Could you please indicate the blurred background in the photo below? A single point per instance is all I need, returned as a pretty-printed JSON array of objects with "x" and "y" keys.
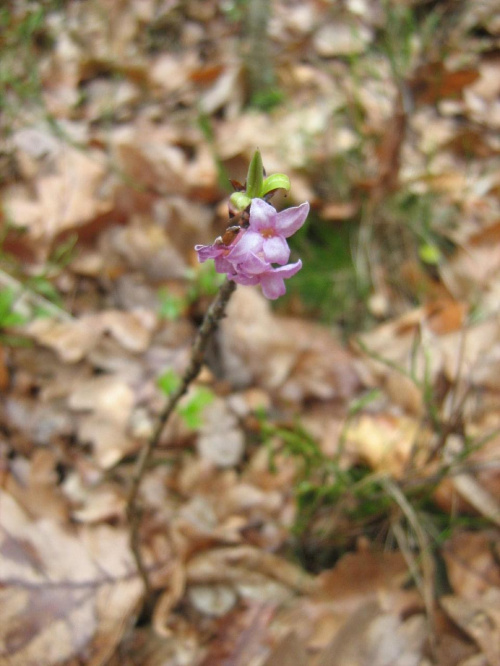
[
  {"x": 327, "y": 492},
  {"x": 384, "y": 114}
]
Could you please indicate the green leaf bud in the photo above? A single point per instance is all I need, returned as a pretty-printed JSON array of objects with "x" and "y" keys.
[
  {"x": 255, "y": 176},
  {"x": 277, "y": 181},
  {"x": 239, "y": 200}
]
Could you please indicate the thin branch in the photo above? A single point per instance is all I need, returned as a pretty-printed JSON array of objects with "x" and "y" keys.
[{"x": 207, "y": 328}]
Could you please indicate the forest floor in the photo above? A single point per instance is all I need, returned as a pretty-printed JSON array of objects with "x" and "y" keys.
[{"x": 327, "y": 493}]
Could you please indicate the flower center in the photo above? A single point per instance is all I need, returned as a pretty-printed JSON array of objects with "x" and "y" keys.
[{"x": 267, "y": 233}]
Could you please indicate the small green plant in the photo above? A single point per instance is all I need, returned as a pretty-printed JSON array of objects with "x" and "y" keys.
[
  {"x": 336, "y": 505},
  {"x": 266, "y": 100},
  {"x": 333, "y": 505},
  {"x": 19, "y": 76},
  {"x": 263, "y": 92},
  {"x": 10, "y": 318},
  {"x": 8, "y": 315},
  {"x": 37, "y": 286},
  {"x": 234, "y": 10},
  {"x": 171, "y": 305},
  {"x": 189, "y": 410},
  {"x": 328, "y": 284}
]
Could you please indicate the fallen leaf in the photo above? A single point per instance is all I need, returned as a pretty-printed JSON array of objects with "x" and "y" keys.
[
  {"x": 71, "y": 340},
  {"x": 293, "y": 358},
  {"x": 109, "y": 440},
  {"x": 212, "y": 600},
  {"x": 385, "y": 442},
  {"x": 480, "y": 619},
  {"x": 289, "y": 652},
  {"x": 241, "y": 636},
  {"x": 106, "y": 395},
  {"x": 361, "y": 577},
  {"x": 432, "y": 82},
  {"x": 373, "y": 638},
  {"x": 220, "y": 439},
  {"x": 131, "y": 329},
  {"x": 70, "y": 197},
  {"x": 74, "y": 591},
  {"x": 341, "y": 39},
  {"x": 471, "y": 563},
  {"x": 242, "y": 564}
]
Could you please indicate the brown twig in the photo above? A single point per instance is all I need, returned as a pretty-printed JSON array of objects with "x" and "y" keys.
[{"x": 213, "y": 316}]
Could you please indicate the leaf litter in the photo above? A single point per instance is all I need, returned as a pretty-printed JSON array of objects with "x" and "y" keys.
[{"x": 137, "y": 122}]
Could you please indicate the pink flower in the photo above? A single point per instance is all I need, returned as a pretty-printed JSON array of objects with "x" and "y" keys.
[
  {"x": 268, "y": 229},
  {"x": 249, "y": 257},
  {"x": 219, "y": 253},
  {"x": 272, "y": 281}
]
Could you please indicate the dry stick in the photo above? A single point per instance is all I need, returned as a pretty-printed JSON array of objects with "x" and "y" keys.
[{"x": 207, "y": 328}]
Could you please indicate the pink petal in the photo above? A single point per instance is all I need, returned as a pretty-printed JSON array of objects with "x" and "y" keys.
[
  {"x": 273, "y": 286},
  {"x": 247, "y": 280},
  {"x": 253, "y": 265},
  {"x": 262, "y": 215},
  {"x": 273, "y": 283},
  {"x": 290, "y": 220},
  {"x": 249, "y": 242},
  {"x": 276, "y": 250},
  {"x": 222, "y": 265},
  {"x": 208, "y": 252}
]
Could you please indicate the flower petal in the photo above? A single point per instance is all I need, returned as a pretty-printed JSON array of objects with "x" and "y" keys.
[
  {"x": 253, "y": 265},
  {"x": 290, "y": 220},
  {"x": 262, "y": 215},
  {"x": 273, "y": 286},
  {"x": 242, "y": 278},
  {"x": 276, "y": 250},
  {"x": 208, "y": 252},
  {"x": 222, "y": 265},
  {"x": 249, "y": 242},
  {"x": 289, "y": 270},
  {"x": 273, "y": 283}
]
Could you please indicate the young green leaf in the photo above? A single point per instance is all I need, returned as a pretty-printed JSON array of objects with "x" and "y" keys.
[
  {"x": 8, "y": 317},
  {"x": 168, "y": 382},
  {"x": 171, "y": 306},
  {"x": 255, "y": 176},
  {"x": 191, "y": 412},
  {"x": 240, "y": 200},
  {"x": 276, "y": 181}
]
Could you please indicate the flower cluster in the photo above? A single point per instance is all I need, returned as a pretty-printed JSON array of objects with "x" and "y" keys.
[{"x": 248, "y": 255}]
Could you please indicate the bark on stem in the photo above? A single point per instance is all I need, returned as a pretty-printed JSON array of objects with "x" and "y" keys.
[{"x": 210, "y": 322}]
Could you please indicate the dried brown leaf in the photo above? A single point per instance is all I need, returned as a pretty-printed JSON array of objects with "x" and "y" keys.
[
  {"x": 294, "y": 358},
  {"x": 109, "y": 438},
  {"x": 221, "y": 440},
  {"x": 73, "y": 591},
  {"x": 105, "y": 394},
  {"x": 361, "y": 577},
  {"x": 384, "y": 441},
  {"x": 432, "y": 82},
  {"x": 289, "y": 652},
  {"x": 241, "y": 636},
  {"x": 373, "y": 638},
  {"x": 472, "y": 563},
  {"x": 480, "y": 620},
  {"x": 69, "y": 198},
  {"x": 242, "y": 565},
  {"x": 71, "y": 340}
]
